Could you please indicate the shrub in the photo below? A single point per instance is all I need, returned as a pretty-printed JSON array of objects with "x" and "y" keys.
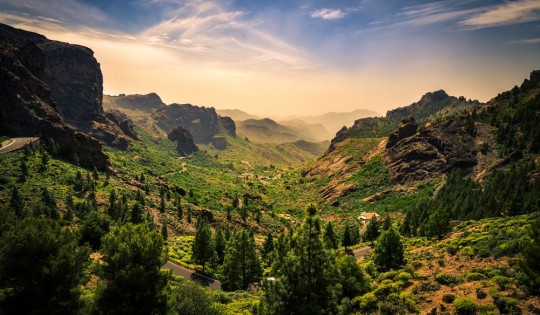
[
  {"x": 501, "y": 281},
  {"x": 465, "y": 306},
  {"x": 404, "y": 276},
  {"x": 444, "y": 279},
  {"x": 484, "y": 252},
  {"x": 389, "y": 275},
  {"x": 486, "y": 308},
  {"x": 507, "y": 305},
  {"x": 495, "y": 294},
  {"x": 481, "y": 294},
  {"x": 448, "y": 298},
  {"x": 474, "y": 276},
  {"x": 451, "y": 249},
  {"x": 365, "y": 302}
]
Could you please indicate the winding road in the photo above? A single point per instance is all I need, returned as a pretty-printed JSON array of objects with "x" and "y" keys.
[
  {"x": 193, "y": 276},
  {"x": 16, "y": 143}
]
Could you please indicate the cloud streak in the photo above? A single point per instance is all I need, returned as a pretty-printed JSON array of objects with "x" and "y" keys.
[
  {"x": 506, "y": 14},
  {"x": 328, "y": 14}
]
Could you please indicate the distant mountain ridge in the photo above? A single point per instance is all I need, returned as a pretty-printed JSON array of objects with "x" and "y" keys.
[{"x": 146, "y": 102}]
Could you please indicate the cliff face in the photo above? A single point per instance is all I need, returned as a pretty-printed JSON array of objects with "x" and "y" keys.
[
  {"x": 29, "y": 110},
  {"x": 184, "y": 141},
  {"x": 146, "y": 103},
  {"x": 433, "y": 152},
  {"x": 203, "y": 123},
  {"x": 76, "y": 84}
]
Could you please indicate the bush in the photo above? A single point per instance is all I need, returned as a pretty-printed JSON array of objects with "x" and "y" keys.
[
  {"x": 484, "y": 252},
  {"x": 465, "y": 306},
  {"x": 365, "y": 302},
  {"x": 501, "y": 281},
  {"x": 451, "y": 249},
  {"x": 495, "y": 294},
  {"x": 486, "y": 308},
  {"x": 481, "y": 294},
  {"x": 474, "y": 276},
  {"x": 444, "y": 279},
  {"x": 448, "y": 298},
  {"x": 507, "y": 305},
  {"x": 404, "y": 276}
]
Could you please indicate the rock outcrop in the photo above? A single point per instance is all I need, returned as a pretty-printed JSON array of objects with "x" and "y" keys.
[
  {"x": 122, "y": 121},
  {"x": 184, "y": 141},
  {"x": 27, "y": 108},
  {"x": 137, "y": 102},
  {"x": 76, "y": 84},
  {"x": 406, "y": 129},
  {"x": 427, "y": 100},
  {"x": 432, "y": 153},
  {"x": 202, "y": 122},
  {"x": 228, "y": 124}
]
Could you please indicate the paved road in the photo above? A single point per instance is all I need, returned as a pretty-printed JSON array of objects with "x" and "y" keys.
[
  {"x": 16, "y": 143},
  {"x": 191, "y": 275},
  {"x": 360, "y": 252}
]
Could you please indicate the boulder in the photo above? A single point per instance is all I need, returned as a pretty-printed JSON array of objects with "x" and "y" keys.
[{"x": 184, "y": 141}]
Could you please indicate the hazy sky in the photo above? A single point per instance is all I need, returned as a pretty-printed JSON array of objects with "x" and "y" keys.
[{"x": 294, "y": 56}]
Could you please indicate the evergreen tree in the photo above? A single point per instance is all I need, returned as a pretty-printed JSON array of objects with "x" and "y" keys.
[
  {"x": 44, "y": 160},
  {"x": 24, "y": 170},
  {"x": 531, "y": 256},
  {"x": 112, "y": 210},
  {"x": 47, "y": 206},
  {"x": 387, "y": 223},
  {"x": 347, "y": 239},
  {"x": 164, "y": 232},
  {"x": 203, "y": 248},
  {"x": 179, "y": 211},
  {"x": 16, "y": 204},
  {"x": 136, "y": 214},
  {"x": 372, "y": 230},
  {"x": 388, "y": 253},
  {"x": 220, "y": 244},
  {"x": 189, "y": 215},
  {"x": 42, "y": 268},
  {"x": 140, "y": 198},
  {"x": 70, "y": 206},
  {"x": 330, "y": 236},
  {"x": 351, "y": 277},
  {"x": 131, "y": 281},
  {"x": 268, "y": 245},
  {"x": 241, "y": 265},
  {"x": 78, "y": 183},
  {"x": 304, "y": 278},
  {"x": 93, "y": 228}
]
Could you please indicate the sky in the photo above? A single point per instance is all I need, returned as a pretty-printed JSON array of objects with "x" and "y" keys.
[{"x": 296, "y": 57}]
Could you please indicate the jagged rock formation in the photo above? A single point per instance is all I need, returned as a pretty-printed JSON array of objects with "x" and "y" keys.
[
  {"x": 137, "y": 102},
  {"x": 184, "y": 141},
  {"x": 220, "y": 142},
  {"x": 427, "y": 101},
  {"x": 74, "y": 78},
  {"x": 27, "y": 108},
  {"x": 202, "y": 122},
  {"x": 432, "y": 153},
  {"x": 406, "y": 129},
  {"x": 228, "y": 124},
  {"x": 122, "y": 121}
]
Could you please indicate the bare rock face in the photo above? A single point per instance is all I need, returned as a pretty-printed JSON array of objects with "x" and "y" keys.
[
  {"x": 433, "y": 152},
  {"x": 228, "y": 124},
  {"x": 202, "y": 122},
  {"x": 122, "y": 121},
  {"x": 27, "y": 108},
  {"x": 406, "y": 129},
  {"x": 76, "y": 84},
  {"x": 184, "y": 141},
  {"x": 145, "y": 103},
  {"x": 220, "y": 142}
]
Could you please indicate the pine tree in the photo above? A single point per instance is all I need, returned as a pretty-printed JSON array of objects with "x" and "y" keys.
[
  {"x": 24, "y": 170},
  {"x": 136, "y": 214},
  {"x": 95, "y": 174},
  {"x": 531, "y": 256},
  {"x": 304, "y": 278},
  {"x": 241, "y": 264},
  {"x": 268, "y": 245},
  {"x": 220, "y": 244},
  {"x": 16, "y": 203},
  {"x": 387, "y": 223},
  {"x": 203, "y": 247},
  {"x": 372, "y": 230},
  {"x": 179, "y": 210},
  {"x": 388, "y": 253},
  {"x": 351, "y": 277},
  {"x": 347, "y": 240},
  {"x": 330, "y": 236},
  {"x": 164, "y": 232},
  {"x": 44, "y": 160},
  {"x": 112, "y": 210},
  {"x": 189, "y": 215}
]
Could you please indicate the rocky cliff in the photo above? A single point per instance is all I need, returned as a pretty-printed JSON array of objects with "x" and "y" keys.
[
  {"x": 137, "y": 102},
  {"x": 433, "y": 152},
  {"x": 184, "y": 141},
  {"x": 29, "y": 110},
  {"x": 76, "y": 84},
  {"x": 202, "y": 122}
]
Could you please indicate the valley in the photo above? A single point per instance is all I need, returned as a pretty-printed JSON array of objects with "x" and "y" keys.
[{"x": 119, "y": 186}]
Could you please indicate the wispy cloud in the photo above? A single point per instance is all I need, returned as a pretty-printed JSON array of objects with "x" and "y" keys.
[
  {"x": 526, "y": 41},
  {"x": 506, "y": 14},
  {"x": 328, "y": 14}
]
